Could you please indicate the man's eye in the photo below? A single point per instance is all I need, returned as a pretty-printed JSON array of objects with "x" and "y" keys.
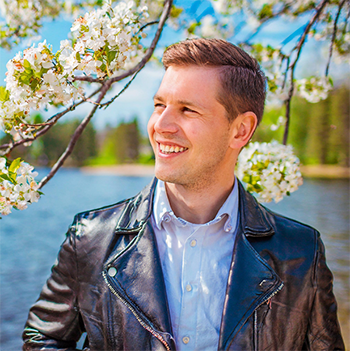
[
  {"x": 186, "y": 109},
  {"x": 158, "y": 105}
]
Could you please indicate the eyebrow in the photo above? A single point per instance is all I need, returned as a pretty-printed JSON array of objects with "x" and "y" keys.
[{"x": 180, "y": 102}]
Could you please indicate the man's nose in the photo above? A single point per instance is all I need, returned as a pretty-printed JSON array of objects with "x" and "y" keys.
[{"x": 166, "y": 121}]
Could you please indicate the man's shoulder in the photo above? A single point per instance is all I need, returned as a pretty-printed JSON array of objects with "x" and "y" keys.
[
  {"x": 123, "y": 214},
  {"x": 104, "y": 212},
  {"x": 293, "y": 234},
  {"x": 287, "y": 222}
]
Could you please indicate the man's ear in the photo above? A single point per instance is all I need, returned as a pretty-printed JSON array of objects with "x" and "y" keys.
[{"x": 243, "y": 128}]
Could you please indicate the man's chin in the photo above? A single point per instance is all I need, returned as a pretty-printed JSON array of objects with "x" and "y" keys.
[{"x": 166, "y": 176}]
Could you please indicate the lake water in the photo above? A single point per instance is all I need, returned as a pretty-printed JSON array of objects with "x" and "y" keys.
[{"x": 30, "y": 239}]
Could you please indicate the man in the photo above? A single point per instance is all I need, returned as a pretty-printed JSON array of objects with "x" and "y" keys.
[{"x": 193, "y": 262}]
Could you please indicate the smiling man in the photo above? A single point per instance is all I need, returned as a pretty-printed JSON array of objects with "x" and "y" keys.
[{"x": 193, "y": 262}]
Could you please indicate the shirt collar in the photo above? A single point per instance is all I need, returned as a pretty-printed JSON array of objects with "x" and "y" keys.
[{"x": 162, "y": 211}]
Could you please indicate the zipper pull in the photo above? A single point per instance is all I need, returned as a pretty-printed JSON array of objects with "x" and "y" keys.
[{"x": 269, "y": 303}]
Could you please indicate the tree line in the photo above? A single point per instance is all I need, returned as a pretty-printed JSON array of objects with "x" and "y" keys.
[
  {"x": 319, "y": 134},
  {"x": 113, "y": 145}
]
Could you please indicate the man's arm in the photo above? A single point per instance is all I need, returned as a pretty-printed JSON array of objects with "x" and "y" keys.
[
  {"x": 324, "y": 332},
  {"x": 54, "y": 321}
]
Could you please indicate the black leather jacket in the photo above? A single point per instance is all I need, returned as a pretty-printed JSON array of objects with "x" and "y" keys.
[{"x": 108, "y": 282}]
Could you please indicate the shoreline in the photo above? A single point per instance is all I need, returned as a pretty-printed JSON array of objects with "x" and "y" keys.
[{"x": 139, "y": 170}]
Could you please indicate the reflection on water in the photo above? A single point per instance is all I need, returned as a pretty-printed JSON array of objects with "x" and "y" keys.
[{"x": 30, "y": 239}]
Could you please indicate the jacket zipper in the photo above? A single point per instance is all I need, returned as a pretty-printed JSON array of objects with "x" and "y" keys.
[
  {"x": 268, "y": 300},
  {"x": 279, "y": 288},
  {"x": 139, "y": 319}
]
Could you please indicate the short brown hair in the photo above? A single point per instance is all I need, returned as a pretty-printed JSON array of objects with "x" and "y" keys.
[{"x": 243, "y": 83}]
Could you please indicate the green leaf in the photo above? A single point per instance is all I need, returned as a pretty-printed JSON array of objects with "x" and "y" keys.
[
  {"x": 33, "y": 84},
  {"x": 15, "y": 165},
  {"x": 4, "y": 94},
  {"x": 111, "y": 56},
  {"x": 103, "y": 67},
  {"x": 176, "y": 11},
  {"x": 5, "y": 177},
  {"x": 265, "y": 12},
  {"x": 192, "y": 28},
  {"x": 77, "y": 56},
  {"x": 13, "y": 177},
  {"x": 246, "y": 179},
  {"x": 26, "y": 64}
]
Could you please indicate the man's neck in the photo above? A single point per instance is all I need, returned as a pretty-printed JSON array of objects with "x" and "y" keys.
[{"x": 198, "y": 205}]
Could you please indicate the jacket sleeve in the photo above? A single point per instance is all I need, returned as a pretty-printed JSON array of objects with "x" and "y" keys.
[
  {"x": 54, "y": 321},
  {"x": 324, "y": 332}
]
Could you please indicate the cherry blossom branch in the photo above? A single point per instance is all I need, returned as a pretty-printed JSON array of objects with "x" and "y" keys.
[
  {"x": 49, "y": 123},
  {"x": 165, "y": 14},
  {"x": 105, "y": 87},
  {"x": 298, "y": 48}
]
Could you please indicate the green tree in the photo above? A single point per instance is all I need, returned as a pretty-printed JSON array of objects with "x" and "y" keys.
[
  {"x": 120, "y": 144},
  {"x": 54, "y": 143},
  {"x": 339, "y": 134}
]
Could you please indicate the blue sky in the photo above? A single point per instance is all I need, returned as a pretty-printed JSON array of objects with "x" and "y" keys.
[{"x": 137, "y": 99}]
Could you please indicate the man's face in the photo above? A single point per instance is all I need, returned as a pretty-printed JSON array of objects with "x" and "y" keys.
[{"x": 188, "y": 130}]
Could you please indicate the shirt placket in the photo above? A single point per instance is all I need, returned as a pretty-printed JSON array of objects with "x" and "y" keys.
[{"x": 191, "y": 262}]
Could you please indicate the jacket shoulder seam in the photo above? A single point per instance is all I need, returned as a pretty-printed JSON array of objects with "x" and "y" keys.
[
  {"x": 84, "y": 214},
  {"x": 275, "y": 214}
]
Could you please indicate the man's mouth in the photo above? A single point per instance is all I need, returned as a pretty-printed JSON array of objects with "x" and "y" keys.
[{"x": 171, "y": 149}]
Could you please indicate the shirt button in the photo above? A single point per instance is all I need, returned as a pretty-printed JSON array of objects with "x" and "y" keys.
[
  {"x": 188, "y": 287},
  {"x": 193, "y": 243},
  {"x": 185, "y": 339},
  {"x": 112, "y": 271},
  {"x": 166, "y": 218}
]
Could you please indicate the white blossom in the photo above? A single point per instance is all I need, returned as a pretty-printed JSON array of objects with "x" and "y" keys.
[
  {"x": 314, "y": 89},
  {"x": 19, "y": 189},
  {"x": 269, "y": 170}
]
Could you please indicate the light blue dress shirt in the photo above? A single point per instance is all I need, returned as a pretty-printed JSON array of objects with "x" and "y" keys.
[{"x": 195, "y": 260}]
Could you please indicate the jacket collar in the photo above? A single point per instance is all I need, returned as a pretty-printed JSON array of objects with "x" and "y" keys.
[{"x": 254, "y": 219}]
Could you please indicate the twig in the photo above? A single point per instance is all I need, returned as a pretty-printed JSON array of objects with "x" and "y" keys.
[
  {"x": 74, "y": 138},
  {"x": 88, "y": 79},
  {"x": 106, "y": 104},
  {"x": 146, "y": 25},
  {"x": 264, "y": 21},
  {"x": 298, "y": 48},
  {"x": 335, "y": 28}
]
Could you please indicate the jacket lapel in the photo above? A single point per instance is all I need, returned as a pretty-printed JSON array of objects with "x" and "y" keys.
[
  {"x": 251, "y": 280},
  {"x": 138, "y": 276}
]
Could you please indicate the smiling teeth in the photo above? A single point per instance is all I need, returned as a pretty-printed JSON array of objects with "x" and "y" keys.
[{"x": 171, "y": 149}]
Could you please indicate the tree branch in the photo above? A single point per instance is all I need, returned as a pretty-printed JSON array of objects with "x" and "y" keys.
[
  {"x": 106, "y": 104},
  {"x": 335, "y": 28},
  {"x": 74, "y": 138},
  {"x": 10, "y": 146},
  {"x": 298, "y": 48}
]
